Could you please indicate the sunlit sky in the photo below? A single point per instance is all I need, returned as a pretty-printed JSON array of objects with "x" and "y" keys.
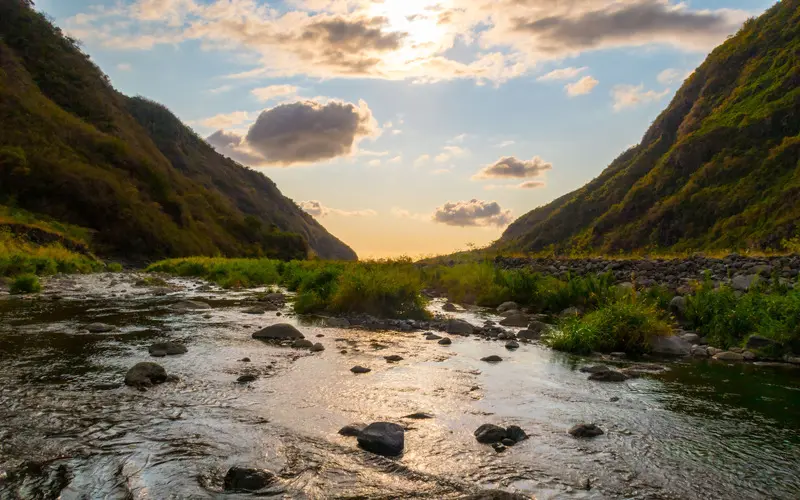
[{"x": 411, "y": 127}]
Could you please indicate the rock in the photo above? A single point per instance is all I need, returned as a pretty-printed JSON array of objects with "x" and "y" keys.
[
  {"x": 337, "y": 322},
  {"x": 189, "y": 305},
  {"x": 759, "y": 342},
  {"x": 352, "y": 430},
  {"x": 393, "y": 358},
  {"x": 699, "y": 351},
  {"x": 432, "y": 336},
  {"x": 499, "y": 447},
  {"x": 490, "y": 433},
  {"x": 793, "y": 360},
  {"x": 691, "y": 337},
  {"x": 670, "y": 346},
  {"x": 245, "y": 360},
  {"x": 459, "y": 327},
  {"x": 145, "y": 374},
  {"x": 445, "y": 341},
  {"x": 317, "y": 347},
  {"x": 608, "y": 376},
  {"x": 302, "y": 344},
  {"x": 743, "y": 283},
  {"x": 319, "y": 335},
  {"x": 728, "y": 356},
  {"x": 247, "y": 479},
  {"x": 495, "y": 495},
  {"x": 360, "y": 369},
  {"x": 585, "y": 431},
  {"x": 248, "y": 377},
  {"x": 516, "y": 433},
  {"x": 279, "y": 331},
  {"x": 594, "y": 368},
  {"x": 517, "y": 319},
  {"x": 419, "y": 416},
  {"x": 614, "y": 399},
  {"x": 382, "y": 438},
  {"x": 275, "y": 298},
  {"x": 570, "y": 311},
  {"x": 512, "y": 344},
  {"x": 508, "y": 442},
  {"x": 494, "y": 358},
  {"x": 255, "y": 310},
  {"x": 677, "y": 306},
  {"x": 528, "y": 335},
  {"x": 507, "y": 306},
  {"x": 619, "y": 355},
  {"x": 449, "y": 307},
  {"x": 161, "y": 349},
  {"x": 100, "y": 328},
  {"x": 749, "y": 356}
]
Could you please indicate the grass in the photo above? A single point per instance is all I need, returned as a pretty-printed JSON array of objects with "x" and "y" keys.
[
  {"x": 25, "y": 283},
  {"x": 18, "y": 256}
]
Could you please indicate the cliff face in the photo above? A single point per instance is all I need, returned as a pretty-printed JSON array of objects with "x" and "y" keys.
[{"x": 719, "y": 168}]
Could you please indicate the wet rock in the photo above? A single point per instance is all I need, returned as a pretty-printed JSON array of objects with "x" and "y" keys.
[
  {"x": 495, "y": 495},
  {"x": 677, "y": 306},
  {"x": 337, "y": 322},
  {"x": 728, "y": 356},
  {"x": 161, "y": 349},
  {"x": 279, "y": 331},
  {"x": 528, "y": 335},
  {"x": 691, "y": 337},
  {"x": 360, "y": 369},
  {"x": 749, "y": 356},
  {"x": 743, "y": 283},
  {"x": 759, "y": 342},
  {"x": 459, "y": 327},
  {"x": 255, "y": 310},
  {"x": 494, "y": 358},
  {"x": 449, "y": 307},
  {"x": 248, "y": 479},
  {"x": 594, "y": 368},
  {"x": 507, "y": 306},
  {"x": 671, "y": 346},
  {"x": 445, "y": 341},
  {"x": 713, "y": 351},
  {"x": 699, "y": 351},
  {"x": 432, "y": 336},
  {"x": 516, "y": 433},
  {"x": 585, "y": 431},
  {"x": 499, "y": 447},
  {"x": 489, "y": 433},
  {"x": 245, "y": 360},
  {"x": 319, "y": 335},
  {"x": 393, "y": 358},
  {"x": 100, "y": 328},
  {"x": 517, "y": 319},
  {"x": 302, "y": 344},
  {"x": 614, "y": 399},
  {"x": 317, "y": 347},
  {"x": 189, "y": 305},
  {"x": 382, "y": 438},
  {"x": 352, "y": 430},
  {"x": 419, "y": 416},
  {"x": 512, "y": 344},
  {"x": 247, "y": 377},
  {"x": 145, "y": 374},
  {"x": 608, "y": 376},
  {"x": 795, "y": 360},
  {"x": 508, "y": 442}
]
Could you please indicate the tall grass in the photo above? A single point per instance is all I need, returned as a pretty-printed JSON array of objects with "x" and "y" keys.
[{"x": 18, "y": 256}]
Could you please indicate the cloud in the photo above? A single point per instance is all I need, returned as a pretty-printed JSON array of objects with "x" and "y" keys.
[
  {"x": 264, "y": 94},
  {"x": 472, "y": 213},
  {"x": 318, "y": 210},
  {"x": 562, "y": 74},
  {"x": 402, "y": 213},
  {"x": 374, "y": 163},
  {"x": 367, "y": 152},
  {"x": 450, "y": 152},
  {"x": 581, "y": 87},
  {"x": 531, "y": 185},
  {"x": 221, "y": 89},
  {"x": 628, "y": 96},
  {"x": 225, "y": 120},
  {"x": 440, "y": 171},
  {"x": 396, "y": 160},
  {"x": 509, "y": 167},
  {"x": 124, "y": 67},
  {"x": 672, "y": 75},
  {"x": 505, "y": 144},
  {"x": 459, "y": 139},
  {"x": 522, "y": 185},
  {"x": 422, "y": 160}
]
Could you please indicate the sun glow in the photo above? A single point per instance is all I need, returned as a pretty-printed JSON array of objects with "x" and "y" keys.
[{"x": 421, "y": 20}]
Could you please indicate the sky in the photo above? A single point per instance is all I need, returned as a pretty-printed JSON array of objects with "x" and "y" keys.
[{"x": 409, "y": 127}]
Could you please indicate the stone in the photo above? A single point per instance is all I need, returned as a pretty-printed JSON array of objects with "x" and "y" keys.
[
  {"x": 432, "y": 336},
  {"x": 508, "y": 442},
  {"x": 728, "y": 356},
  {"x": 247, "y": 377},
  {"x": 507, "y": 306},
  {"x": 317, "y": 347},
  {"x": 419, "y": 416},
  {"x": 516, "y": 433},
  {"x": 245, "y": 360},
  {"x": 743, "y": 283},
  {"x": 445, "y": 341},
  {"x": 795, "y": 360},
  {"x": 713, "y": 351},
  {"x": 337, "y": 322},
  {"x": 677, "y": 306},
  {"x": 279, "y": 331},
  {"x": 608, "y": 376},
  {"x": 100, "y": 328},
  {"x": 495, "y": 495},
  {"x": 512, "y": 344},
  {"x": 393, "y": 358},
  {"x": 594, "y": 368},
  {"x": 255, "y": 310},
  {"x": 759, "y": 342},
  {"x": 302, "y": 344},
  {"x": 691, "y": 337},
  {"x": 459, "y": 327},
  {"x": 528, "y": 335},
  {"x": 585, "y": 431},
  {"x": 670, "y": 346},
  {"x": 145, "y": 374},
  {"x": 494, "y": 358},
  {"x": 190, "y": 305},
  {"x": 161, "y": 349},
  {"x": 449, "y": 307},
  {"x": 699, "y": 351},
  {"x": 382, "y": 438},
  {"x": 360, "y": 369},
  {"x": 490, "y": 433},
  {"x": 518, "y": 319},
  {"x": 749, "y": 356},
  {"x": 614, "y": 399},
  {"x": 352, "y": 430},
  {"x": 499, "y": 447},
  {"x": 247, "y": 479}
]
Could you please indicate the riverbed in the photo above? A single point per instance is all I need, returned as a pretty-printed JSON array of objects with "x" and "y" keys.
[{"x": 70, "y": 429}]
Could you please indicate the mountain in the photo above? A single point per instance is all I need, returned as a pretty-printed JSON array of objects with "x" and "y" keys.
[
  {"x": 718, "y": 169},
  {"x": 74, "y": 149}
]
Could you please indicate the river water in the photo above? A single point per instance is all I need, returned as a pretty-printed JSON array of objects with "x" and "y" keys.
[{"x": 69, "y": 429}]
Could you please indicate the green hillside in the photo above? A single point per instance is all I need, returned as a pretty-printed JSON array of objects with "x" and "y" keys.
[
  {"x": 74, "y": 149},
  {"x": 718, "y": 169}
]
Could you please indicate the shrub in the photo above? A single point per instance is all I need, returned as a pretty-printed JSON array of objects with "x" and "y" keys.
[
  {"x": 114, "y": 267},
  {"x": 26, "y": 283}
]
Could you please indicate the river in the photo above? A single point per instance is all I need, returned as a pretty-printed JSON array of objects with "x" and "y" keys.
[{"x": 69, "y": 429}]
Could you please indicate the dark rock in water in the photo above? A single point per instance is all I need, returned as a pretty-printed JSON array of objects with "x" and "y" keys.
[
  {"x": 594, "y": 368},
  {"x": 512, "y": 344},
  {"x": 248, "y": 479},
  {"x": 495, "y": 495},
  {"x": 758, "y": 342},
  {"x": 317, "y": 347},
  {"x": 394, "y": 358},
  {"x": 189, "y": 305},
  {"x": 360, "y": 369},
  {"x": 459, "y": 327},
  {"x": 145, "y": 374},
  {"x": 383, "y": 438},
  {"x": 279, "y": 331},
  {"x": 528, "y": 335},
  {"x": 100, "y": 328},
  {"x": 449, "y": 307},
  {"x": 608, "y": 376},
  {"x": 161, "y": 349},
  {"x": 516, "y": 433},
  {"x": 508, "y": 442},
  {"x": 445, "y": 341},
  {"x": 337, "y": 322},
  {"x": 302, "y": 344},
  {"x": 352, "y": 430},
  {"x": 614, "y": 399},
  {"x": 490, "y": 433},
  {"x": 499, "y": 447},
  {"x": 494, "y": 358},
  {"x": 585, "y": 431},
  {"x": 518, "y": 319},
  {"x": 432, "y": 336},
  {"x": 671, "y": 346},
  {"x": 255, "y": 310},
  {"x": 245, "y": 360},
  {"x": 507, "y": 306},
  {"x": 319, "y": 335},
  {"x": 419, "y": 416},
  {"x": 248, "y": 377}
]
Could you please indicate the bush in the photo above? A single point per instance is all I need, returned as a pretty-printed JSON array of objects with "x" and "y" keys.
[
  {"x": 26, "y": 283},
  {"x": 624, "y": 325},
  {"x": 114, "y": 267}
]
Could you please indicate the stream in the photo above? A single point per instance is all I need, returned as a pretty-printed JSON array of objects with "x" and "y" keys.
[{"x": 70, "y": 429}]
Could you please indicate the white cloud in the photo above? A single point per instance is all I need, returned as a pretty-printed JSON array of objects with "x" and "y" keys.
[
  {"x": 672, "y": 75},
  {"x": 374, "y": 163},
  {"x": 271, "y": 92},
  {"x": 581, "y": 87},
  {"x": 402, "y": 213},
  {"x": 563, "y": 74},
  {"x": 221, "y": 89},
  {"x": 522, "y": 185},
  {"x": 505, "y": 144},
  {"x": 367, "y": 152},
  {"x": 472, "y": 213},
  {"x": 224, "y": 120},
  {"x": 509, "y": 167},
  {"x": 422, "y": 160},
  {"x": 459, "y": 139},
  {"x": 628, "y": 96},
  {"x": 124, "y": 67},
  {"x": 450, "y": 152},
  {"x": 396, "y": 160},
  {"x": 319, "y": 210}
]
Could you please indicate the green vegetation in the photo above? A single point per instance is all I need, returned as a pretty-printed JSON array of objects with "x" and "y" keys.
[
  {"x": 25, "y": 283},
  {"x": 114, "y": 267},
  {"x": 718, "y": 169},
  {"x": 19, "y": 256}
]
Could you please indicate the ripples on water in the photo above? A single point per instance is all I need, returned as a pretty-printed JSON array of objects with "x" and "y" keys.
[{"x": 69, "y": 429}]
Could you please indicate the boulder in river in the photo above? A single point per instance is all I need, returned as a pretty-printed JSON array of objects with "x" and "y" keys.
[
  {"x": 512, "y": 344},
  {"x": 352, "y": 430},
  {"x": 594, "y": 368},
  {"x": 449, "y": 307},
  {"x": 100, "y": 328},
  {"x": 528, "y": 335},
  {"x": 671, "y": 346},
  {"x": 189, "y": 305},
  {"x": 729, "y": 356},
  {"x": 432, "y": 336},
  {"x": 516, "y": 433},
  {"x": 255, "y": 310},
  {"x": 499, "y": 447},
  {"x": 585, "y": 431},
  {"x": 393, "y": 358},
  {"x": 490, "y": 433},
  {"x": 279, "y": 331},
  {"x": 518, "y": 319},
  {"x": 445, "y": 341},
  {"x": 145, "y": 374},
  {"x": 419, "y": 416},
  {"x": 508, "y": 442},
  {"x": 608, "y": 376},
  {"x": 247, "y": 479},
  {"x": 302, "y": 344},
  {"x": 382, "y": 438},
  {"x": 317, "y": 347},
  {"x": 248, "y": 377},
  {"x": 360, "y": 369},
  {"x": 494, "y": 358},
  {"x": 507, "y": 306},
  {"x": 161, "y": 349},
  {"x": 459, "y": 327}
]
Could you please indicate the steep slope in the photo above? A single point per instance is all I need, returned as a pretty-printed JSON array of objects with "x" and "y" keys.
[
  {"x": 70, "y": 149},
  {"x": 718, "y": 169}
]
